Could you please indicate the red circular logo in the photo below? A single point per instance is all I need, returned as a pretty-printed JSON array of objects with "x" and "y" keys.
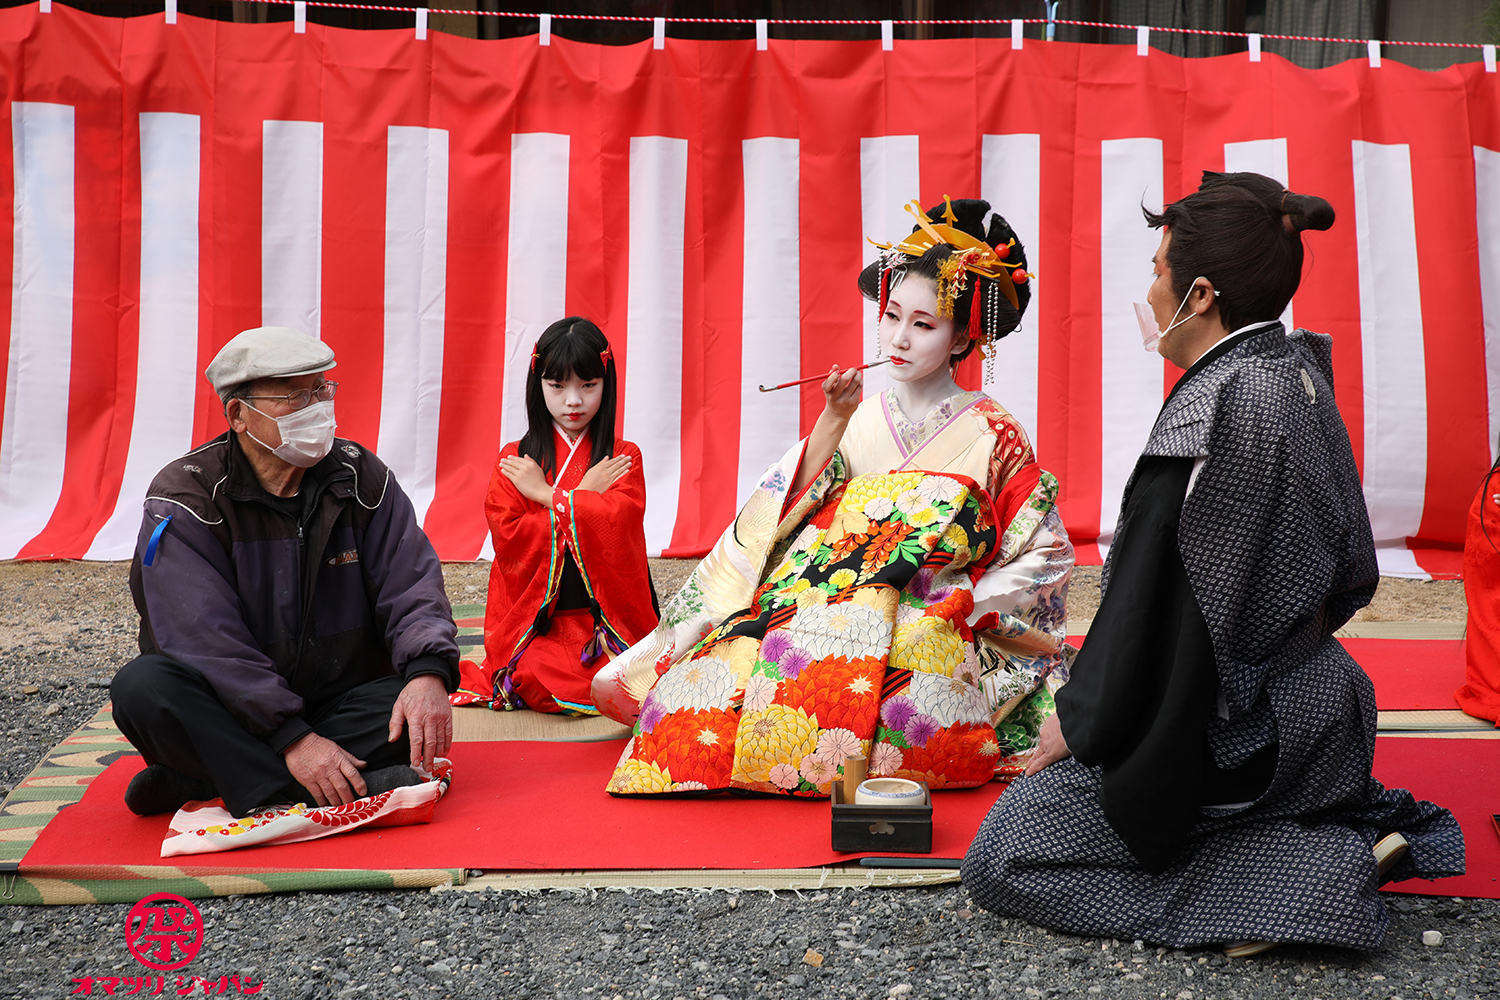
[{"x": 164, "y": 932}]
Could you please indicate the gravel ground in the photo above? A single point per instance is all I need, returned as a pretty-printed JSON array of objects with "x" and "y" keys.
[{"x": 64, "y": 627}]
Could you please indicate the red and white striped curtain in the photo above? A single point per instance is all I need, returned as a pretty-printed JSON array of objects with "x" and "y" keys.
[{"x": 428, "y": 206}]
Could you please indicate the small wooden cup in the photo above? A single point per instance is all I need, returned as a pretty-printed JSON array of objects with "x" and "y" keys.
[{"x": 854, "y": 773}]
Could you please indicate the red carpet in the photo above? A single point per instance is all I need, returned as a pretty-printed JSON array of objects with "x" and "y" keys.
[
  {"x": 542, "y": 805},
  {"x": 1464, "y": 776},
  {"x": 1409, "y": 674},
  {"x": 514, "y": 805}
]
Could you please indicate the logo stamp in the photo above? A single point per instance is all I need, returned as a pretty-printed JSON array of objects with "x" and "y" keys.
[{"x": 164, "y": 932}]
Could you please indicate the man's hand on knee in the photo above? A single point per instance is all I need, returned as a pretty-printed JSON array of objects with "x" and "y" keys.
[
  {"x": 424, "y": 709},
  {"x": 1050, "y": 746},
  {"x": 326, "y": 769}
]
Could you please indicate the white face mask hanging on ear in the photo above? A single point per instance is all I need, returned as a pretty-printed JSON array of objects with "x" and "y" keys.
[
  {"x": 306, "y": 434},
  {"x": 1151, "y": 334}
]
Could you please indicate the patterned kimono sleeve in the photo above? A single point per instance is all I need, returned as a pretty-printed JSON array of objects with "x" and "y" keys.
[
  {"x": 1020, "y": 613},
  {"x": 723, "y": 583}
]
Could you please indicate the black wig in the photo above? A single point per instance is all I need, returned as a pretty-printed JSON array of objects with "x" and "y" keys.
[
  {"x": 970, "y": 213},
  {"x": 571, "y": 346}
]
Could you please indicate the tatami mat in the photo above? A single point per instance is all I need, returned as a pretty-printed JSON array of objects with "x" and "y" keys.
[
  {"x": 840, "y": 877},
  {"x": 476, "y": 723},
  {"x": 1445, "y": 722},
  {"x": 472, "y": 724},
  {"x": 1401, "y": 630}
]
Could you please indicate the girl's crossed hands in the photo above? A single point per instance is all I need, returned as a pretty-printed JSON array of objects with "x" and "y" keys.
[
  {"x": 532, "y": 484},
  {"x": 527, "y": 477},
  {"x": 602, "y": 476}
]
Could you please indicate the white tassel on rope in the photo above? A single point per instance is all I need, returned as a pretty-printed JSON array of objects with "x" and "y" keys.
[
  {"x": 1489, "y": 59},
  {"x": 1253, "y": 43},
  {"x": 1017, "y": 33},
  {"x": 1373, "y": 45},
  {"x": 887, "y": 35},
  {"x": 171, "y": 11},
  {"x": 760, "y": 35},
  {"x": 1142, "y": 40},
  {"x": 299, "y": 17},
  {"x": 421, "y": 24},
  {"x": 658, "y": 32},
  {"x": 544, "y": 29},
  {"x": 46, "y": 8}
]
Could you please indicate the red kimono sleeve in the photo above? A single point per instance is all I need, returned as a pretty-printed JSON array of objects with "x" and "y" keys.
[
  {"x": 606, "y": 532},
  {"x": 526, "y": 558}
]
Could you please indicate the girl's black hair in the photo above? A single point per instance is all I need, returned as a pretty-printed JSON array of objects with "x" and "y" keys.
[
  {"x": 1243, "y": 232},
  {"x": 571, "y": 346},
  {"x": 999, "y": 313}
]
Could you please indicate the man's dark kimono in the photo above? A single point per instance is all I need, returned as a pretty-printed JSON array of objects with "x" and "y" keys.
[{"x": 1222, "y": 739}]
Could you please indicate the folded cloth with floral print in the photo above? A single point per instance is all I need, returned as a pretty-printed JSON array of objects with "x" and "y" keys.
[
  {"x": 205, "y": 827},
  {"x": 857, "y": 643}
]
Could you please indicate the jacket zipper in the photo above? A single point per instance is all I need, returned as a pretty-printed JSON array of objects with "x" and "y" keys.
[{"x": 307, "y": 583}]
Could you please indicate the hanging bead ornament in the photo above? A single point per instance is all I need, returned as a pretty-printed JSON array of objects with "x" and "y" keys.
[
  {"x": 971, "y": 256},
  {"x": 885, "y": 297},
  {"x": 992, "y": 325}
]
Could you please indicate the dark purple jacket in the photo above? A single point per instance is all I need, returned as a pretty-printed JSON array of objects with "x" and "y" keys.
[{"x": 282, "y": 617}]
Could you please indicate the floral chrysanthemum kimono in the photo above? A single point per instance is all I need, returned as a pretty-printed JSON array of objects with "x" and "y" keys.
[{"x": 908, "y": 605}]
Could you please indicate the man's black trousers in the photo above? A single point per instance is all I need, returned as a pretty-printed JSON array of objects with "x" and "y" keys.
[{"x": 171, "y": 714}]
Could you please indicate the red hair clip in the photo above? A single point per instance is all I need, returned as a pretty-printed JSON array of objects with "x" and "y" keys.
[
  {"x": 605, "y": 355},
  {"x": 535, "y": 353}
]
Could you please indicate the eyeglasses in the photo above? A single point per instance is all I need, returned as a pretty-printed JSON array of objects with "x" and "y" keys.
[{"x": 302, "y": 397}]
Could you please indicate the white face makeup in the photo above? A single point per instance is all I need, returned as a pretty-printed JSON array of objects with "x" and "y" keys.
[
  {"x": 573, "y": 401},
  {"x": 918, "y": 342}
]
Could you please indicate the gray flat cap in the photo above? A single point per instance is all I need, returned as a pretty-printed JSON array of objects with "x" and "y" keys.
[{"x": 266, "y": 352}]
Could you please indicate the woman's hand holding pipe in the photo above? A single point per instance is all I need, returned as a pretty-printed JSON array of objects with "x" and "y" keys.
[{"x": 841, "y": 395}]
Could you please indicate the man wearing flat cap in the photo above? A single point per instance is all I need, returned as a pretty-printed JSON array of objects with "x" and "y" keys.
[{"x": 296, "y": 641}]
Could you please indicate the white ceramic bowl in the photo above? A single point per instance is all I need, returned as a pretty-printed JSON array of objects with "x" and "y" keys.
[{"x": 888, "y": 792}]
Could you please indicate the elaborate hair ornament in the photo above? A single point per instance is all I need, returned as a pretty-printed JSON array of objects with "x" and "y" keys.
[
  {"x": 971, "y": 256},
  {"x": 987, "y": 263}
]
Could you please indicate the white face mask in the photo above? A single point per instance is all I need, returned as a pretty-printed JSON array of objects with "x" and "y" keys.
[
  {"x": 306, "y": 434},
  {"x": 1151, "y": 334}
]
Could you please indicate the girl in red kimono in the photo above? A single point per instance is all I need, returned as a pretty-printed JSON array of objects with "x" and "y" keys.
[{"x": 570, "y": 586}]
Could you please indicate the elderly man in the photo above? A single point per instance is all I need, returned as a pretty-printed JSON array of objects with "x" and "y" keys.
[{"x": 296, "y": 641}]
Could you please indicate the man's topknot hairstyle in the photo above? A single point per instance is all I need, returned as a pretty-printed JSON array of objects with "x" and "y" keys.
[{"x": 1243, "y": 232}]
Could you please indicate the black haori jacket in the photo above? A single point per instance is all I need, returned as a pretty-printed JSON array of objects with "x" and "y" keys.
[
  {"x": 1211, "y": 688},
  {"x": 283, "y": 612}
]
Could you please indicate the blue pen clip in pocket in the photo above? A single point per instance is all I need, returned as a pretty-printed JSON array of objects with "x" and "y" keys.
[{"x": 150, "y": 555}]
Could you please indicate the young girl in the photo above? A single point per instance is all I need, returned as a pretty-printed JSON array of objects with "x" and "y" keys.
[
  {"x": 894, "y": 586},
  {"x": 569, "y": 587}
]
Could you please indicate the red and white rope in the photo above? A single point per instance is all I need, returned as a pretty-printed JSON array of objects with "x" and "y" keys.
[{"x": 644, "y": 19}]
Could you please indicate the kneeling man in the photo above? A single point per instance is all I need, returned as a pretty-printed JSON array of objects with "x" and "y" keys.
[{"x": 296, "y": 640}]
